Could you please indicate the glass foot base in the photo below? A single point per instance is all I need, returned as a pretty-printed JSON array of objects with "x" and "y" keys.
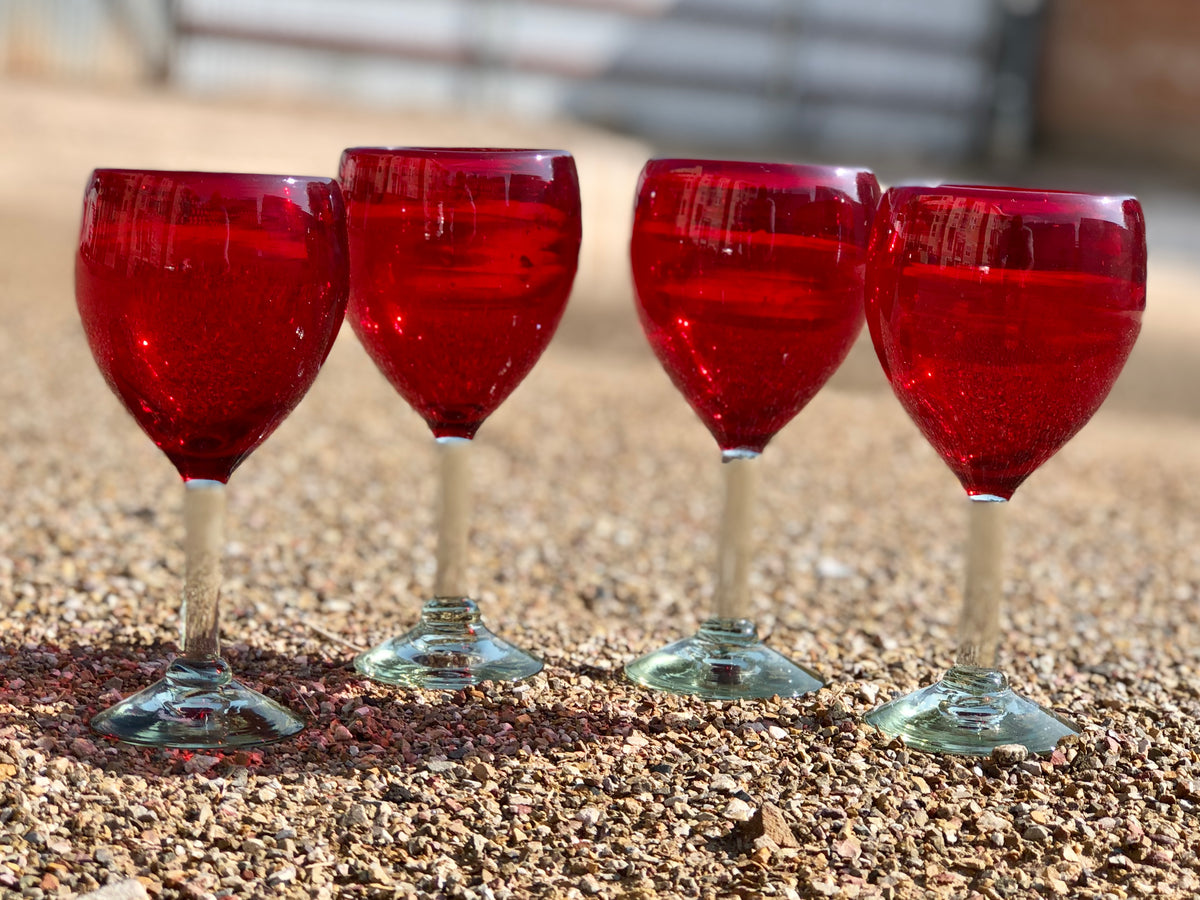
[
  {"x": 724, "y": 660},
  {"x": 449, "y": 649},
  {"x": 197, "y": 706},
  {"x": 970, "y": 712}
]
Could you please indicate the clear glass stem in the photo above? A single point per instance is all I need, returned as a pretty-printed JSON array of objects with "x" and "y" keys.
[
  {"x": 973, "y": 709},
  {"x": 204, "y": 520},
  {"x": 454, "y": 502},
  {"x": 979, "y": 627},
  {"x": 197, "y": 704},
  {"x": 450, "y": 647},
  {"x": 731, "y": 600},
  {"x": 725, "y": 659}
]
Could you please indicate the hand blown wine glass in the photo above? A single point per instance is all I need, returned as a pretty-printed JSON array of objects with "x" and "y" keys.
[
  {"x": 749, "y": 282},
  {"x": 1002, "y": 317},
  {"x": 209, "y": 301},
  {"x": 462, "y": 261}
]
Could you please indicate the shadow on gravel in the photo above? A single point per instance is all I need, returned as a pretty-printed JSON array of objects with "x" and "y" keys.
[
  {"x": 606, "y": 675},
  {"x": 49, "y": 694}
]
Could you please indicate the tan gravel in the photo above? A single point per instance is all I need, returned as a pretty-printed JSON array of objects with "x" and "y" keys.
[{"x": 597, "y": 497}]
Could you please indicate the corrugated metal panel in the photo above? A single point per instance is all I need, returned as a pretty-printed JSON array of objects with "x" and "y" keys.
[
  {"x": 63, "y": 38},
  {"x": 916, "y": 77}
]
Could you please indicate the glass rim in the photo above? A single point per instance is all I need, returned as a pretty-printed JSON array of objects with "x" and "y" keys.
[
  {"x": 962, "y": 189},
  {"x": 465, "y": 152},
  {"x": 205, "y": 173},
  {"x": 754, "y": 164}
]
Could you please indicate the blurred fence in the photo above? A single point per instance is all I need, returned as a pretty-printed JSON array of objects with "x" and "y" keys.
[{"x": 947, "y": 79}]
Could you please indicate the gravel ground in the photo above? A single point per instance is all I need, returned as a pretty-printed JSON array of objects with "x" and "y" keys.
[{"x": 597, "y": 494}]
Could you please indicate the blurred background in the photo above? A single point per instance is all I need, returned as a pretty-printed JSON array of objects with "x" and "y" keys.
[
  {"x": 1083, "y": 94},
  {"x": 950, "y": 80}
]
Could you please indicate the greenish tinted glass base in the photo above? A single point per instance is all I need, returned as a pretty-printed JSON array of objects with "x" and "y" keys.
[
  {"x": 724, "y": 660},
  {"x": 970, "y": 712},
  {"x": 449, "y": 649},
  {"x": 197, "y": 706}
]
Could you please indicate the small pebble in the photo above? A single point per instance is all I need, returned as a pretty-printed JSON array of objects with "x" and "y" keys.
[
  {"x": 738, "y": 810},
  {"x": 200, "y": 763},
  {"x": 828, "y": 567},
  {"x": 126, "y": 889},
  {"x": 285, "y": 875},
  {"x": 356, "y": 817},
  {"x": 589, "y": 815},
  {"x": 990, "y": 821},
  {"x": 1036, "y": 834},
  {"x": 1009, "y": 754},
  {"x": 723, "y": 783}
]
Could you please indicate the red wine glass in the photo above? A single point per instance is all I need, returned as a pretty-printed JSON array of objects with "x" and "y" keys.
[
  {"x": 461, "y": 264},
  {"x": 1002, "y": 317},
  {"x": 749, "y": 283},
  {"x": 209, "y": 301}
]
